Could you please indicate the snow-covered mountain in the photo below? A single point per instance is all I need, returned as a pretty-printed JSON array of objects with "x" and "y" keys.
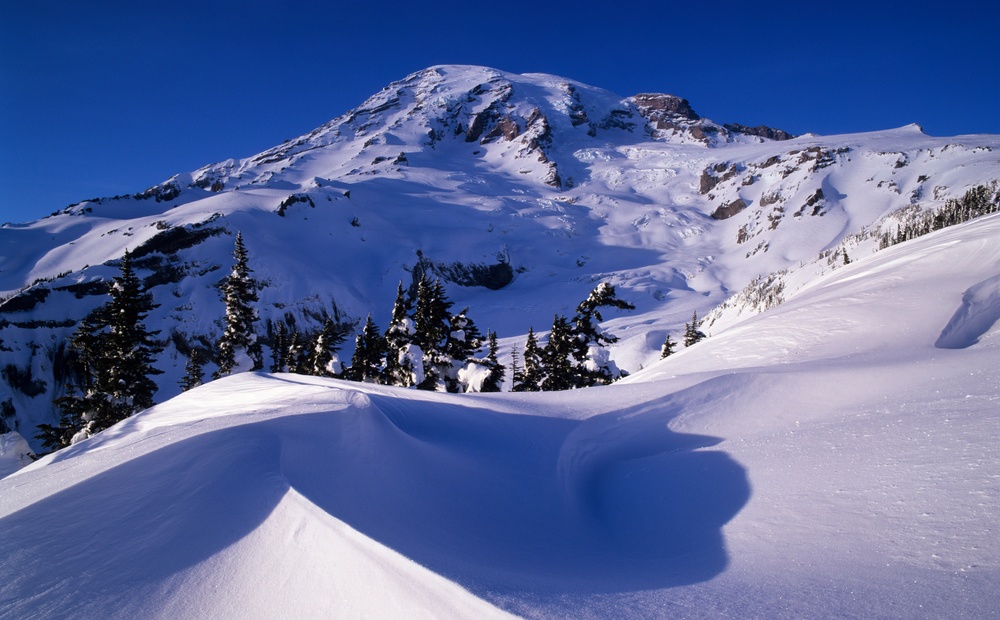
[
  {"x": 521, "y": 191},
  {"x": 837, "y": 456}
]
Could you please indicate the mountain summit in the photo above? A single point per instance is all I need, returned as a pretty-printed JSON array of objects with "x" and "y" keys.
[
  {"x": 526, "y": 119},
  {"x": 826, "y": 445},
  {"x": 519, "y": 192}
]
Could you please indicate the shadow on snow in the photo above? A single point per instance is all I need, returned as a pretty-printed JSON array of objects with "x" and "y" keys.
[{"x": 499, "y": 503}]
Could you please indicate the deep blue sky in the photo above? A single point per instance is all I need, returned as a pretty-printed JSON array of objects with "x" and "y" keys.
[{"x": 104, "y": 98}]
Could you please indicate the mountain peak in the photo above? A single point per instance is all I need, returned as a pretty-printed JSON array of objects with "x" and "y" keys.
[
  {"x": 513, "y": 116},
  {"x": 530, "y": 184}
]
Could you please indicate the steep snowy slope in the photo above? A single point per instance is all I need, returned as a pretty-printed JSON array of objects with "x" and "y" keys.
[
  {"x": 835, "y": 456},
  {"x": 521, "y": 191}
]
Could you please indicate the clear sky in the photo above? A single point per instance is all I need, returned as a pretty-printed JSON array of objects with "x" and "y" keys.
[{"x": 109, "y": 97}]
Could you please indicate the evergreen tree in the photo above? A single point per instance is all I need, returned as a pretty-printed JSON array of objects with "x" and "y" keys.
[
  {"x": 279, "y": 348},
  {"x": 125, "y": 380},
  {"x": 559, "y": 369},
  {"x": 77, "y": 405},
  {"x": 398, "y": 338},
  {"x": 589, "y": 341},
  {"x": 194, "y": 375},
  {"x": 295, "y": 360},
  {"x": 431, "y": 316},
  {"x": 533, "y": 373},
  {"x": 494, "y": 380},
  {"x": 321, "y": 355},
  {"x": 87, "y": 363},
  {"x": 369, "y": 354},
  {"x": 668, "y": 348},
  {"x": 71, "y": 422},
  {"x": 516, "y": 372},
  {"x": 111, "y": 358},
  {"x": 691, "y": 333},
  {"x": 464, "y": 338},
  {"x": 463, "y": 341},
  {"x": 238, "y": 348},
  {"x": 432, "y": 327}
]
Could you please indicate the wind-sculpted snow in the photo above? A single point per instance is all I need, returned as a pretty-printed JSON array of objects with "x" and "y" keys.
[
  {"x": 980, "y": 310},
  {"x": 494, "y": 501},
  {"x": 822, "y": 458},
  {"x": 834, "y": 455}
]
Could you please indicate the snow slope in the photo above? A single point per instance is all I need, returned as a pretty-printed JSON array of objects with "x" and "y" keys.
[
  {"x": 552, "y": 184},
  {"x": 836, "y": 456}
]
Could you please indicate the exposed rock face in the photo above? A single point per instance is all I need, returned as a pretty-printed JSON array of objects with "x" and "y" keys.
[
  {"x": 659, "y": 107},
  {"x": 505, "y": 128},
  {"x": 707, "y": 182},
  {"x": 729, "y": 210},
  {"x": 479, "y": 123},
  {"x": 493, "y": 276},
  {"x": 761, "y": 131}
]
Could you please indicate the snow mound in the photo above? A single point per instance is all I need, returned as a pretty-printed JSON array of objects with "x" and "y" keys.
[
  {"x": 824, "y": 455},
  {"x": 975, "y": 318}
]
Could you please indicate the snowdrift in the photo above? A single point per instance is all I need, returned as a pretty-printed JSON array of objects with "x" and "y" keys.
[{"x": 835, "y": 456}]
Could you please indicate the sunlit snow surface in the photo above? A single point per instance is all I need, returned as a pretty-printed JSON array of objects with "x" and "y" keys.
[
  {"x": 835, "y": 457},
  {"x": 634, "y": 209}
]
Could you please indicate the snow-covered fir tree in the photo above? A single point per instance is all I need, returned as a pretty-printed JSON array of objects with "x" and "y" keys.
[
  {"x": 194, "y": 374},
  {"x": 464, "y": 340},
  {"x": 321, "y": 359},
  {"x": 594, "y": 366},
  {"x": 560, "y": 370},
  {"x": 668, "y": 347},
  {"x": 114, "y": 354},
  {"x": 279, "y": 347},
  {"x": 400, "y": 350},
  {"x": 238, "y": 350},
  {"x": 432, "y": 326},
  {"x": 131, "y": 349},
  {"x": 692, "y": 334},
  {"x": 85, "y": 361},
  {"x": 494, "y": 378},
  {"x": 532, "y": 372},
  {"x": 369, "y": 354},
  {"x": 296, "y": 357}
]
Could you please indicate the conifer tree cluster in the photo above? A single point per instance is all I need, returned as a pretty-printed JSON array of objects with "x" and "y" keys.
[
  {"x": 426, "y": 346},
  {"x": 111, "y": 362},
  {"x": 307, "y": 352},
  {"x": 976, "y": 202},
  {"x": 575, "y": 355},
  {"x": 692, "y": 335}
]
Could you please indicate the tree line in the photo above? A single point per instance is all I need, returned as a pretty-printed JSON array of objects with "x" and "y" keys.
[
  {"x": 976, "y": 202},
  {"x": 426, "y": 345}
]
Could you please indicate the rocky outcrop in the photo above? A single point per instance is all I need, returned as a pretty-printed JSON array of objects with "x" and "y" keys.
[
  {"x": 761, "y": 131},
  {"x": 729, "y": 210},
  {"x": 662, "y": 109},
  {"x": 505, "y": 128}
]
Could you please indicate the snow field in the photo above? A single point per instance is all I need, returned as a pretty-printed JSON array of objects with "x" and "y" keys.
[{"x": 851, "y": 469}]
